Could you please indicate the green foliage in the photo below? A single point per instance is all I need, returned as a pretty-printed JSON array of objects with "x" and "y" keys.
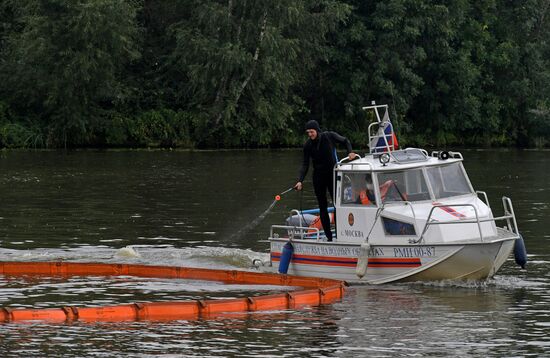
[
  {"x": 154, "y": 128},
  {"x": 226, "y": 73},
  {"x": 17, "y": 135},
  {"x": 64, "y": 66},
  {"x": 237, "y": 62}
]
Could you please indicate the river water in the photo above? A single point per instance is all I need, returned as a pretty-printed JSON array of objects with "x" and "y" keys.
[{"x": 189, "y": 208}]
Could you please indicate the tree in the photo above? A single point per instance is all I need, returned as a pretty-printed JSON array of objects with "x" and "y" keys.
[
  {"x": 64, "y": 67},
  {"x": 238, "y": 62}
]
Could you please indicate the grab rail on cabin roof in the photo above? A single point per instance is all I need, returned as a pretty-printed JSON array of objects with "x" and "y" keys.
[
  {"x": 341, "y": 161},
  {"x": 338, "y": 165}
]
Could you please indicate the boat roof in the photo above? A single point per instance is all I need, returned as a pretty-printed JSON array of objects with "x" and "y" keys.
[{"x": 409, "y": 158}]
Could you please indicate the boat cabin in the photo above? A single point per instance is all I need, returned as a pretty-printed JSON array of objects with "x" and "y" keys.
[
  {"x": 398, "y": 190},
  {"x": 390, "y": 195}
]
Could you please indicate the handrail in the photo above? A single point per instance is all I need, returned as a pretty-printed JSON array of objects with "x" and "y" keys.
[
  {"x": 429, "y": 222},
  {"x": 509, "y": 216},
  {"x": 456, "y": 154},
  {"x": 347, "y": 158},
  {"x": 297, "y": 213},
  {"x": 424, "y": 151},
  {"x": 292, "y": 230},
  {"x": 338, "y": 165},
  {"x": 509, "y": 209},
  {"x": 479, "y": 192}
]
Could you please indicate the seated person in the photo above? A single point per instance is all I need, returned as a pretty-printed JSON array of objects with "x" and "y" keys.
[
  {"x": 358, "y": 189},
  {"x": 390, "y": 192},
  {"x": 366, "y": 194}
]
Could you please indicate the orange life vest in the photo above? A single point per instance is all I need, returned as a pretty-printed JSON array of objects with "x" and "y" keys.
[{"x": 364, "y": 198}]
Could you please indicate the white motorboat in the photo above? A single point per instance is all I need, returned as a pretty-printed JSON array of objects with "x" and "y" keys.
[{"x": 401, "y": 215}]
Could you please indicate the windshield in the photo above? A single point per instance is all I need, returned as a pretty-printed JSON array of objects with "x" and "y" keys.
[
  {"x": 448, "y": 180},
  {"x": 408, "y": 185}
]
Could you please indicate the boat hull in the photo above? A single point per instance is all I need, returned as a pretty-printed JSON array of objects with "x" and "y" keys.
[{"x": 395, "y": 263}]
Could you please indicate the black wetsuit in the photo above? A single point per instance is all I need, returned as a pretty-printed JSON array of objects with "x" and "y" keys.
[{"x": 323, "y": 155}]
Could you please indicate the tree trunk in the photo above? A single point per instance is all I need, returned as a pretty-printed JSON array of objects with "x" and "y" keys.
[
  {"x": 255, "y": 59},
  {"x": 243, "y": 85}
]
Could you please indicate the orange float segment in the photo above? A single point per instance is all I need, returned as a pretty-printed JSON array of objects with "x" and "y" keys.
[
  {"x": 108, "y": 313},
  {"x": 26, "y": 268},
  {"x": 98, "y": 269},
  {"x": 48, "y": 314},
  {"x": 208, "y": 307},
  {"x": 270, "y": 302},
  {"x": 304, "y": 298},
  {"x": 319, "y": 291},
  {"x": 332, "y": 294},
  {"x": 168, "y": 310},
  {"x": 153, "y": 271}
]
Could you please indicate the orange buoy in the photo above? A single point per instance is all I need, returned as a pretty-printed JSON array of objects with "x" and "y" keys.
[{"x": 315, "y": 291}]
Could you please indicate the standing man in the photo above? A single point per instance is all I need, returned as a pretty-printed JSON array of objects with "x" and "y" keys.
[{"x": 320, "y": 147}]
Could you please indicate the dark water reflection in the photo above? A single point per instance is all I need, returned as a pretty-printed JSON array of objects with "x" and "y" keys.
[{"x": 184, "y": 208}]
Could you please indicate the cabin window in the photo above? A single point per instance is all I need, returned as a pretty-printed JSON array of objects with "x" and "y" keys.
[
  {"x": 405, "y": 185},
  {"x": 395, "y": 227},
  {"x": 357, "y": 189},
  {"x": 448, "y": 181}
]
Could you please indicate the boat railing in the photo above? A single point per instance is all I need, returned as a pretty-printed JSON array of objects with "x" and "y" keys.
[
  {"x": 509, "y": 216},
  {"x": 338, "y": 165},
  {"x": 484, "y": 196},
  {"x": 297, "y": 212},
  {"x": 296, "y": 231},
  {"x": 341, "y": 161},
  {"x": 424, "y": 151},
  {"x": 430, "y": 221}
]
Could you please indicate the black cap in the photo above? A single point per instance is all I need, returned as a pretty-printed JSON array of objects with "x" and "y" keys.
[{"x": 313, "y": 124}]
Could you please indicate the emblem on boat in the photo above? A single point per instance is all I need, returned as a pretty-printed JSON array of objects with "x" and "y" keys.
[{"x": 351, "y": 219}]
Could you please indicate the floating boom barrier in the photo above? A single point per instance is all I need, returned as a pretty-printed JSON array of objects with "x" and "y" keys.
[{"x": 316, "y": 291}]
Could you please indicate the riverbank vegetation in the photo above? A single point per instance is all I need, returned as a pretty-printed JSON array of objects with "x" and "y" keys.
[{"x": 209, "y": 74}]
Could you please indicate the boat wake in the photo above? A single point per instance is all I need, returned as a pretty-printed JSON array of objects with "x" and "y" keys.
[
  {"x": 497, "y": 282},
  {"x": 164, "y": 255}
]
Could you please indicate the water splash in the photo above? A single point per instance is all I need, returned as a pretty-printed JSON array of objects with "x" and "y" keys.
[{"x": 128, "y": 252}]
